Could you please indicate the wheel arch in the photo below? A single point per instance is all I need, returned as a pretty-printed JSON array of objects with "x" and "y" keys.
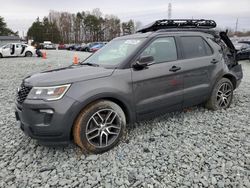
[
  {"x": 229, "y": 76},
  {"x": 28, "y": 51},
  {"x": 232, "y": 78},
  {"x": 127, "y": 109}
]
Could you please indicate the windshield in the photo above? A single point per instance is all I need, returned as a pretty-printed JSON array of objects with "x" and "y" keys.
[{"x": 114, "y": 52}]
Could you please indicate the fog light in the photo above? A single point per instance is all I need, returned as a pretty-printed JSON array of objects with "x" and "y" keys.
[{"x": 47, "y": 111}]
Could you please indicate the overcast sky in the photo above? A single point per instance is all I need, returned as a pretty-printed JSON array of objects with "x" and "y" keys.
[{"x": 19, "y": 15}]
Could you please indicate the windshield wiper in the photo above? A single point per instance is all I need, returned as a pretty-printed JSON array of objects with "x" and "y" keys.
[{"x": 89, "y": 64}]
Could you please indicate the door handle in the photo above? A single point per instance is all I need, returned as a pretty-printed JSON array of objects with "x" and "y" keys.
[
  {"x": 214, "y": 61},
  {"x": 174, "y": 68}
]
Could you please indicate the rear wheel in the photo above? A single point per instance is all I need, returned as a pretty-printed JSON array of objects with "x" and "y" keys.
[
  {"x": 222, "y": 95},
  {"x": 99, "y": 127},
  {"x": 28, "y": 54}
]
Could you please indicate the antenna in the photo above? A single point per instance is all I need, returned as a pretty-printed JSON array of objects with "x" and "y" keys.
[{"x": 169, "y": 10}]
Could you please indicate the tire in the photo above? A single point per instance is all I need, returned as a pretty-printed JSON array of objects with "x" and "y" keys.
[
  {"x": 90, "y": 130},
  {"x": 1, "y": 55},
  {"x": 28, "y": 54},
  {"x": 222, "y": 95}
]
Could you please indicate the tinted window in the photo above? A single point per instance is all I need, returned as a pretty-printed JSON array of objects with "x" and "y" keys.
[
  {"x": 195, "y": 47},
  {"x": 162, "y": 49},
  {"x": 208, "y": 48}
]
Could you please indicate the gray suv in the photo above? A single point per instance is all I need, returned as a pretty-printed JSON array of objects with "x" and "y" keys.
[{"x": 166, "y": 66}]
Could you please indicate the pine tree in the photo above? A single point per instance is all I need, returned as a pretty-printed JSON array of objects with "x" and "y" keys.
[
  {"x": 4, "y": 30},
  {"x": 44, "y": 31}
]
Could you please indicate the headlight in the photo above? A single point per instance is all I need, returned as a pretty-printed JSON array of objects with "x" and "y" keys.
[{"x": 48, "y": 93}]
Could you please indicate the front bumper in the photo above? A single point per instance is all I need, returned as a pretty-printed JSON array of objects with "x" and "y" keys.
[{"x": 48, "y": 122}]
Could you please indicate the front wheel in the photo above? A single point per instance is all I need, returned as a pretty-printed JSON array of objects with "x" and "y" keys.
[
  {"x": 28, "y": 54},
  {"x": 222, "y": 95},
  {"x": 99, "y": 127}
]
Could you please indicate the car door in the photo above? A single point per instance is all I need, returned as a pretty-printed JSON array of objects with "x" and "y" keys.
[
  {"x": 18, "y": 50},
  {"x": 159, "y": 87},
  {"x": 199, "y": 65},
  {"x": 6, "y": 50}
]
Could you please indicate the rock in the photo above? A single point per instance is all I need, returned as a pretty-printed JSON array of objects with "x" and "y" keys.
[
  {"x": 92, "y": 158},
  {"x": 20, "y": 165},
  {"x": 10, "y": 178},
  {"x": 131, "y": 178},
  {"x": 213, "y": 180},
  {"x": 44, "y": 169},
  {"x": 220, "y": 184},
  {"x": 151, "y": 139},
  {"x": 75, "y": 184},
  {"x": 146, "y": 150},
  {"x": 119, "y": 182},
  {"x": 204, "y": 182}
]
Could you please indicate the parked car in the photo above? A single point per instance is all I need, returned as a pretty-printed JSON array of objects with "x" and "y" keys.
[
  {"x": 48, "y": 45},
  {"x": 168, "y": 65},
  {"x": 61, "y": 47},
  {"x": 80, "y": 47},
  {"x": 245, "y": 42},
  {"x": 87, "y": 47},
  {"x": 96, "y": 47},
  {"x": 17, "y": 49},
  {"x": 243, "y": 51},
  {"x": 73, "y": 47}
]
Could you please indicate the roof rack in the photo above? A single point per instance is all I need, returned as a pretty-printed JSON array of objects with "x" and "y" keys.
[{"x": 178, "y": 23}]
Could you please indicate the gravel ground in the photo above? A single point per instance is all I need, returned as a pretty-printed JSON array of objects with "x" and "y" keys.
[{"x": 195, "y": 148}]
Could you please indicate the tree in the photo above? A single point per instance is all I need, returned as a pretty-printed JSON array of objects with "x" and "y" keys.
[
  {"x": 85, "y": 26},
  {"x": 112, "y": 27},
  {"x": 36, "y": 31},
  {"x": 128, "y": 27},
  {"x": 4, "y": 30},
  {"x": 42, "y": 31}
]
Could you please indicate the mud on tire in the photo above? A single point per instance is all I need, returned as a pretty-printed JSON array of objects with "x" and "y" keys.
[{"x": 99, "y": 126}]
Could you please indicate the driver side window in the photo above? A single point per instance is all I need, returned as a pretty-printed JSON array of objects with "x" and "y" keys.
[{"x": 162, "y": 49}]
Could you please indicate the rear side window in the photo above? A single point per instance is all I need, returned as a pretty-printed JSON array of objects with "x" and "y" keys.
[
  {"x": 195, "y": 47},
  {"x": 162, "y": 49}
]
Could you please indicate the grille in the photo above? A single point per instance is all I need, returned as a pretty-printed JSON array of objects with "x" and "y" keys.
[{"x": 22, "y": 93}]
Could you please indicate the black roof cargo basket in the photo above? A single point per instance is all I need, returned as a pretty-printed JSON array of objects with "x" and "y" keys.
[{"x": 178, "y": 23}]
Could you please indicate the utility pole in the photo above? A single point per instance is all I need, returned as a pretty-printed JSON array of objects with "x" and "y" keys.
[
  {"x": 236, "y": 25},
  {"x": 169, "y": 10}
]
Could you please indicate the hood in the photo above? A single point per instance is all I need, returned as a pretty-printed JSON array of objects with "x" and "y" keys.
[{"x": 67, "y": 75}]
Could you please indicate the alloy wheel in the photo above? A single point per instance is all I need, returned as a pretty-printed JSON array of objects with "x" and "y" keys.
[
  {"x": 224, "y": 95},
  {"x": 103, "y": 128}
]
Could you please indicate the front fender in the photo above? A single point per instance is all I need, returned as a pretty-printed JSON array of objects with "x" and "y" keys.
[{"x": 119, "y": 99}]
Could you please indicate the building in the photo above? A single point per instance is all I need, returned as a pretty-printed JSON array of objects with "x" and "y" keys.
[{"x": 9, "y": 39}]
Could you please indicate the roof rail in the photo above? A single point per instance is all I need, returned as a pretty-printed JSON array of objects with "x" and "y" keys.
[{"x": 178, "y": 23}]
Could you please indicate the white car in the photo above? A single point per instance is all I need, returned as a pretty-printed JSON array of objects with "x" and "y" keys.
[{"x": 17, "y": 49}]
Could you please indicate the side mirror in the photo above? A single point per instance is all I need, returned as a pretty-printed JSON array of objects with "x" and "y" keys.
[{"x": 143, "y": 62}]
